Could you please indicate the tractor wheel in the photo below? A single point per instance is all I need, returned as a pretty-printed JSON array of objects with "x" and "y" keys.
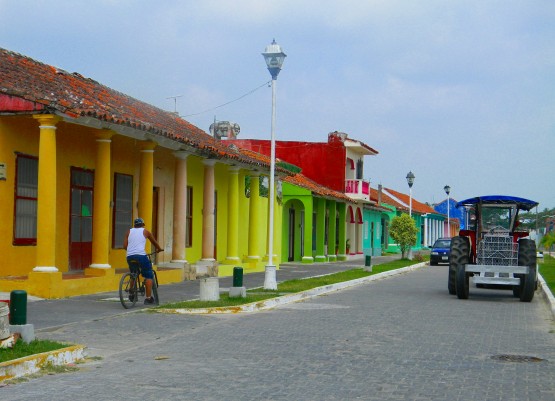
[
  {"x": 527, "y": 257},
  {"x": 460, "y": 250},
  {"x": 462, "y": 282}
]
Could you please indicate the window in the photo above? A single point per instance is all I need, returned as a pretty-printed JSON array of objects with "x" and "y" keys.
[
  {"x": 26, "y": 193},
  {"x": 189, "y": 219},
  {"x": 123, "y": 208}
]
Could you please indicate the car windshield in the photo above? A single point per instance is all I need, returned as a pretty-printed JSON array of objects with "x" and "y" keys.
[{"x": 442, "y": 243}]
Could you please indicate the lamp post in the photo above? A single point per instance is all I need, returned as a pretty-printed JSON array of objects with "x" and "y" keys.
[
  {"x": 447, "y": 190},
  {"x": 410, "y": 181},
  {"x": 274, "y": 57}
]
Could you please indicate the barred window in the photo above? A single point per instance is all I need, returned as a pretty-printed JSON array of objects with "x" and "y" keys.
[
  {"x": 26, "y": 194},
  {"x": 123, "y": 208}
]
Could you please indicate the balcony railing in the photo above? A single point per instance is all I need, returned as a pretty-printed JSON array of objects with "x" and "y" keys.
[{"x": 358, "y": 189}]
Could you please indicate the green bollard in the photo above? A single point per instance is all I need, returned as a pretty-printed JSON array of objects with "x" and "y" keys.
[
  {"x": 237, "y": 276},
  {"x": 18, "y": 307},
  {"x": 368, "y": 260}
]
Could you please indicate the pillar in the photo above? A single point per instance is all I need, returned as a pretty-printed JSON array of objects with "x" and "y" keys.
[
  {"x": 146, "y": 183},
  {"x": 101, "y": 206},
  {"x": 254, "y": 218},
  {"x": 208, "y": 211},
  {"x": 320, "y": 229},
  {"x": 179, "y": 208},
  {"x": 233, "y": 217},
  {"x": 332, "y": 207},
  {"x": 46, "y": 205},
  {"x": 342, "y": 209}
]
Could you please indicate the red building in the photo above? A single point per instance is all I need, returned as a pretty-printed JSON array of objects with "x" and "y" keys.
[{"x": 337, "y": 164}]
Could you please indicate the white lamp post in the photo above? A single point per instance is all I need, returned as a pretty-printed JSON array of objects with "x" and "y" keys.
[
  {"x": 274, "y": 57},
  {"x": 410, "y": 181},
  {"x": 447, "y": 190}
]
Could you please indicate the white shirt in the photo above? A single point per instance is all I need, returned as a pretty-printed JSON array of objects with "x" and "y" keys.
[{"x": 136, "y": 242}]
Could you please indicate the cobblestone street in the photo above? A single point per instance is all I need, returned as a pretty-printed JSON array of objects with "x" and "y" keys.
[{"x": 401, "y": 338}]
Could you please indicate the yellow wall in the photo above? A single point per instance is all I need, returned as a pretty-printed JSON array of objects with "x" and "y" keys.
[{"x": 76, "y": 146}]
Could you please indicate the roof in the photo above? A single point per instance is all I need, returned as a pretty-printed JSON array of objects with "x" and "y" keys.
[
  {"x": 385, "y": 198},
  {"x": 417, "y": 206},
  {"x": 317, "y": 189},
  {"x": 30, "y": 87},
  {"x": 521, "y": 203}
]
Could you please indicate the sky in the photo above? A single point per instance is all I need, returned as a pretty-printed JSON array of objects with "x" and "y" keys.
[{"x": 461, "y": 93}]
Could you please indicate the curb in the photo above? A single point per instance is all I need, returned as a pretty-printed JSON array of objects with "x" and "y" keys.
[
  {"x": 286, "y": 299},
  {"x": 547, "y": 294},
  {"x": 33, "y": 363}
]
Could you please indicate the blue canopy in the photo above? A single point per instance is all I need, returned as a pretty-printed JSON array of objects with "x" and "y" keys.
[{"x": 521, "y": 203}]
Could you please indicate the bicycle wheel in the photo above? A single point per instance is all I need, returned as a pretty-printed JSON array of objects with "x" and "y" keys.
[
  {"x": 128, "y": 293},
  {"x": 155, "y": 289}
]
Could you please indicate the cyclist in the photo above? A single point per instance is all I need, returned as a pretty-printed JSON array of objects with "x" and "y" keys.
[{"x": 134, "y": 242}]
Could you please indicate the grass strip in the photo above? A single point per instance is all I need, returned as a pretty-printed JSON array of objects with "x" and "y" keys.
[
  {"x": 291, "y": 287},
  {"x": 22, "y": 349},
  {"x": 547, "y": 270}
]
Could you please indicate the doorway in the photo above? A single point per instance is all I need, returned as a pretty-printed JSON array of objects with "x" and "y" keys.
[{"x": 81, "y": 218}]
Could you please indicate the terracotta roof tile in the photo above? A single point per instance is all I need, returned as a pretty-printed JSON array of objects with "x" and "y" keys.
[{"x": 47, "y": 89}]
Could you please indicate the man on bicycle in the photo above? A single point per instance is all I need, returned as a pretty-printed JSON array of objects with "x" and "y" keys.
[{"x": 134, "y": 242}]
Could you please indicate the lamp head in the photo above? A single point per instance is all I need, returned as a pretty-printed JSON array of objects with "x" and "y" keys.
[
  {"x": 274, "y": 57},
  {"x": 410, "y": 179},
  {"x": 447, "y": 189}
]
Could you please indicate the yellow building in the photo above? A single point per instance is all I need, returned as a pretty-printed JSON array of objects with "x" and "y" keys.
[{"x": 79, "y": 161}]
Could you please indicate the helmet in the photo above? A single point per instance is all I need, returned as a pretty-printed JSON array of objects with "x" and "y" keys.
[{"x": 138, "y": 222}]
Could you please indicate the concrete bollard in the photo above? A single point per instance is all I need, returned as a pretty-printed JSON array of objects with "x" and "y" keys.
[{"x": 209, "y": 289}]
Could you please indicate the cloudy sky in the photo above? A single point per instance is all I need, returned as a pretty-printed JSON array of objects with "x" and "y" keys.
[{"x": 458, "y": 92}]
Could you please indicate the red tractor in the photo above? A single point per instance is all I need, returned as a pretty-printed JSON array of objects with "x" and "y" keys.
[{"x": 491, "y": 250}]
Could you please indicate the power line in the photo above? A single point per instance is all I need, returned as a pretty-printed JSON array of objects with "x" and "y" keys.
[{"x": 232, "y": 101}]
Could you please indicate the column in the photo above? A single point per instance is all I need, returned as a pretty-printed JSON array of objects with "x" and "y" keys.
[
  {"x": 342, "y": 209},
  {"x": 233, "y": 217},
  {"x": 146, "y": 183},
  {"x": 208, "y": 206},
  {"x": 320, "y": 228},
  {"x": 179, "y": 208},
  {"x": 101, "y": 206},
  {"x": 46, "y": 205},
  {"x": 254, "y": 218},
  {"x": 332, "y": 226}
]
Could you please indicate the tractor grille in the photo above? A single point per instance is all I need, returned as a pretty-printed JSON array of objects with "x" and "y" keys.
[{"x": 497, "y": 249}]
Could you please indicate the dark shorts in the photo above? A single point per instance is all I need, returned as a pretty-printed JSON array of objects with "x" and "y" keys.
[{"x": 144, "y": 262}]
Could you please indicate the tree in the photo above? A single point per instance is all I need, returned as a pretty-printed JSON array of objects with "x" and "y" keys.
[
  {"x": 403, "y": 231},
  {"x": 548, "y": 240}
]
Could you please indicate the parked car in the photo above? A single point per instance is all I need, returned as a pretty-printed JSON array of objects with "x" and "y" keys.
[{"x": 441, "y": 251}]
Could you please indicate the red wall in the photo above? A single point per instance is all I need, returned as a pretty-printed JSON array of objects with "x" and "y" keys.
[{"x": 322, "y": 162}]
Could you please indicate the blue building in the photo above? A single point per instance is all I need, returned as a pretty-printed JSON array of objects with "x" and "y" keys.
[{"x": 454, "y": 212}]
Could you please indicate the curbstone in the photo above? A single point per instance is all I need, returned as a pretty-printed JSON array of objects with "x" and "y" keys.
[
  {"x": 290, "y": 298},
  {"x": 33, "y": 363}
]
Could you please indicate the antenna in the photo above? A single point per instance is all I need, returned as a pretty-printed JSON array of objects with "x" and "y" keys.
[{"x": 175, "y": 103}]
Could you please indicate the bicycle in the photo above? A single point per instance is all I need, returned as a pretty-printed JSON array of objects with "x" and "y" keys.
[{"x": 132, "y": 284}]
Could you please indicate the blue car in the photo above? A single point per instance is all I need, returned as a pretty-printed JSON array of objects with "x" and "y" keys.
[{"x": 440, "y": 251}]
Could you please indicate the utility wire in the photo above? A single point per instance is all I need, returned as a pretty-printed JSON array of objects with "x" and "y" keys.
[{"x": 225, "y": 104}]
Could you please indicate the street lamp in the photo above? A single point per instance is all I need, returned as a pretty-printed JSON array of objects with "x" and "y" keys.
[
  {"x": 410, "y": 181},
  {"x": 274, "y": 57},
  {"x": 447, "y": 190}
]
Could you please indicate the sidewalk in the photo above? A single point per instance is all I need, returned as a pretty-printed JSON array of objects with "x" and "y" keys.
[{"x": 52, "y": 313}]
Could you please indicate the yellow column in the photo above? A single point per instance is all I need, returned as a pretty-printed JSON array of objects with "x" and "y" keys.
[
  {"x": 101, "y": 207},
  {"x": 179, "y": 207},
  {"x": 46, "y": 205},
  {"x": 146, "y": 183},
  {"x": 233, "y": 217},
  {"x": 254, "y": 217},
  {"x": 208, "y": 206}
]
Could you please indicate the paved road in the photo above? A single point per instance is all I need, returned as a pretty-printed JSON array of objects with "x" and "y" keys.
[{"x": 401, "y": 338}]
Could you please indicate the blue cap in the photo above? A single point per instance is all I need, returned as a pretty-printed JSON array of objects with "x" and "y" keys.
[{"x": 138, "y": 222}]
